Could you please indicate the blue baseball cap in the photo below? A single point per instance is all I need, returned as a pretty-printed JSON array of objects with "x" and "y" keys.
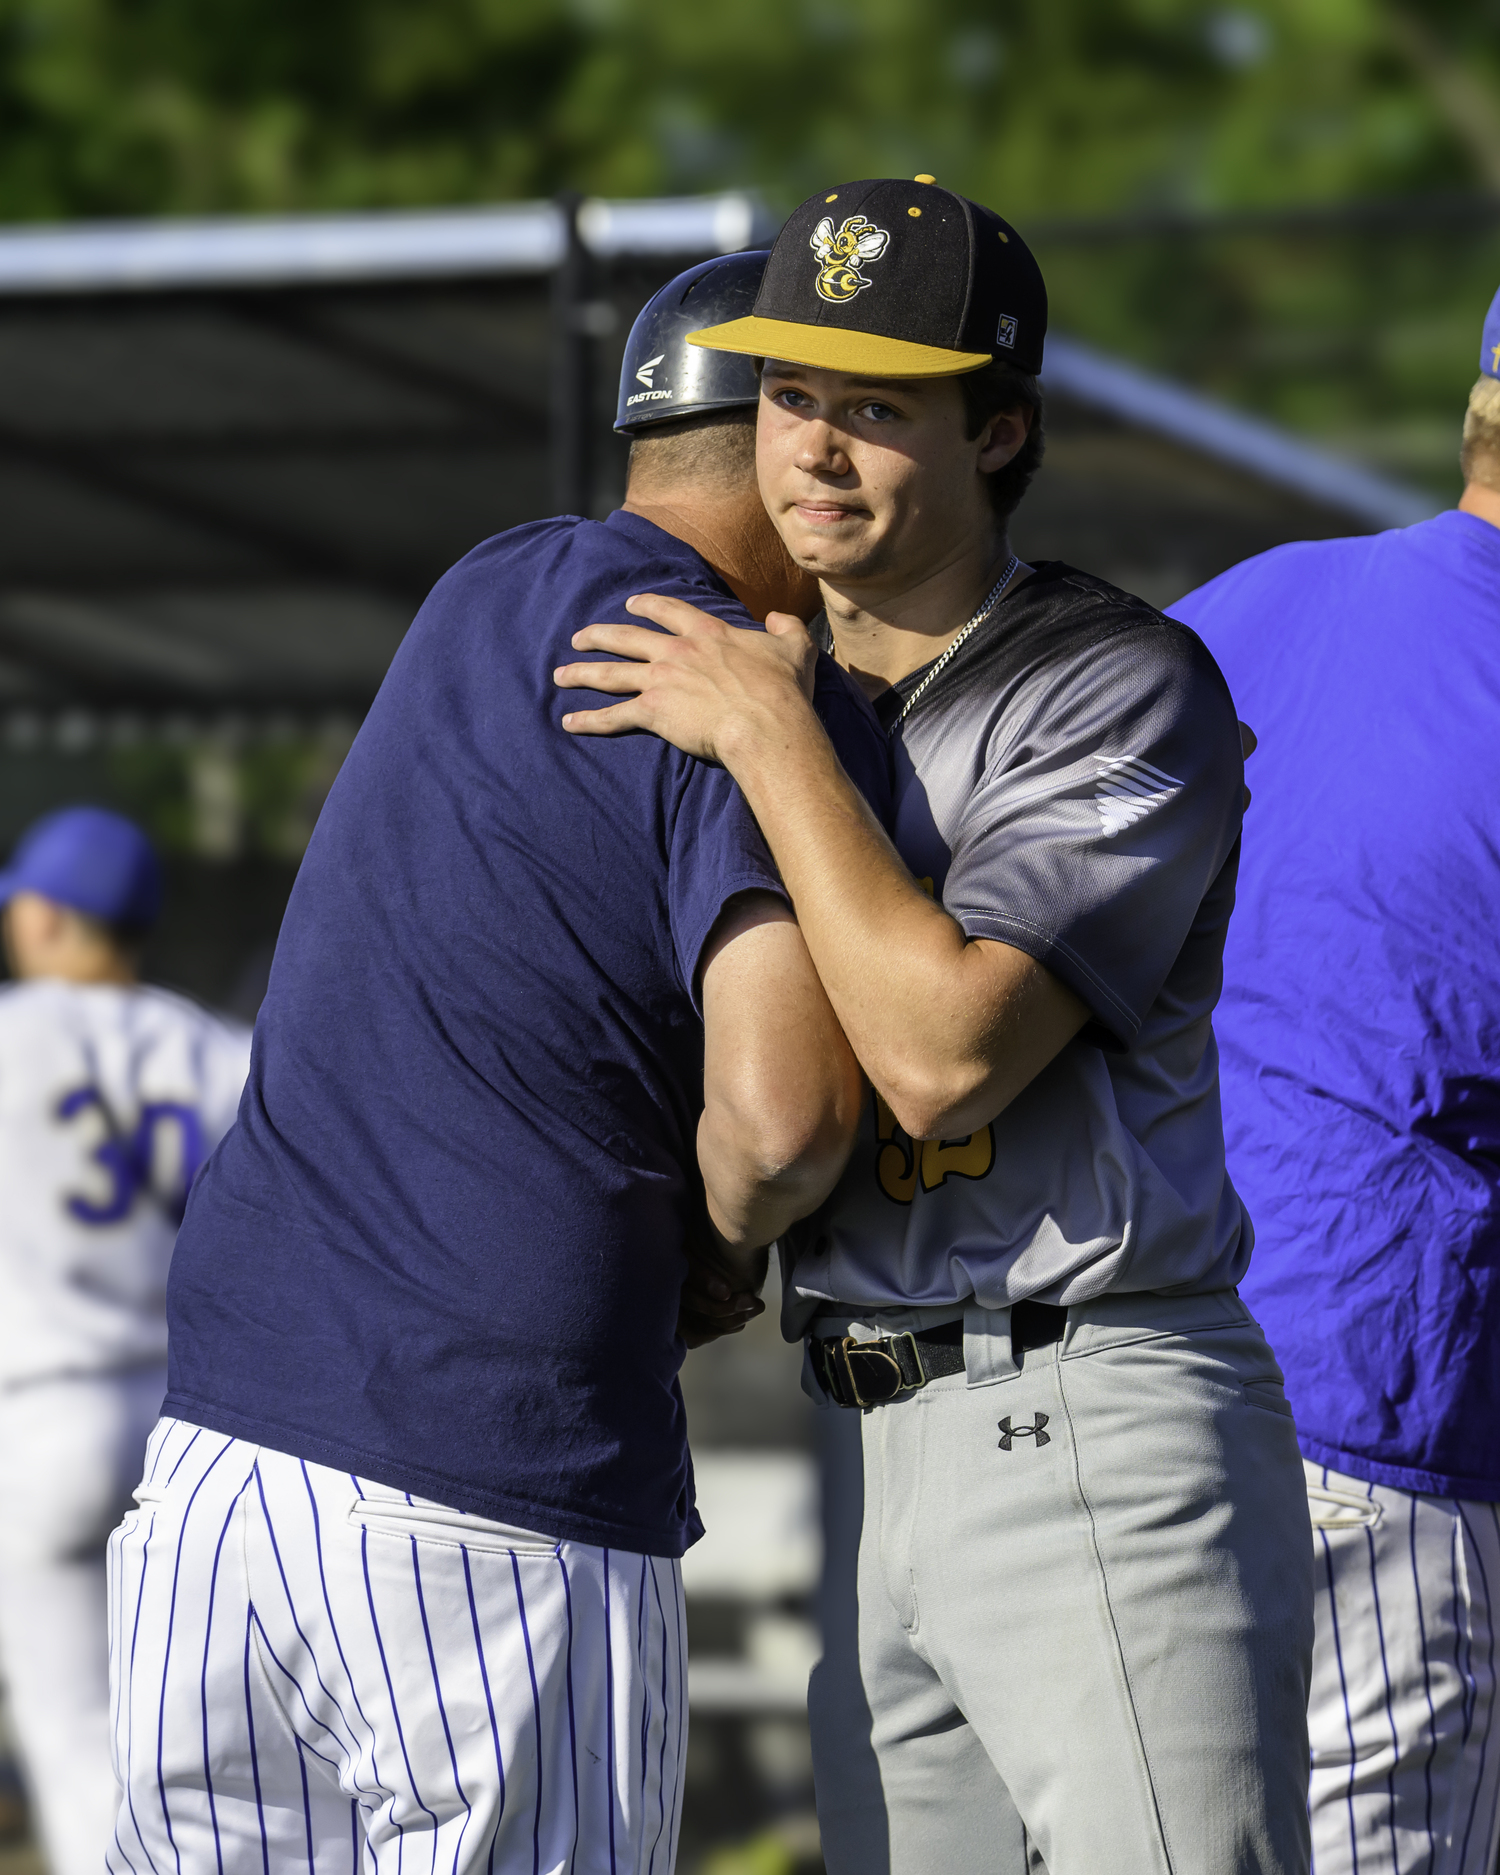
[
  {"x": 1489, "y": 345},
  {"x": 94, "y": 861}
]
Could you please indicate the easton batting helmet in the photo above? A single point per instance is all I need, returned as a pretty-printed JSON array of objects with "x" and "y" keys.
[{"x": 663, "y": 377}]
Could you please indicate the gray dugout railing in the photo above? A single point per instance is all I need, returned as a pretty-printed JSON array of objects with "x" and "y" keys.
[{"x": 569, "y": 239}]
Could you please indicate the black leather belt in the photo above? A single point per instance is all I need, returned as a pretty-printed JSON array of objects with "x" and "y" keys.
[{"x": 872, "y": 1373}]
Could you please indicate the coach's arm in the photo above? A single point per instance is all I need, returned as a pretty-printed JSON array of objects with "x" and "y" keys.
[{"x": 781, "y": 1088}]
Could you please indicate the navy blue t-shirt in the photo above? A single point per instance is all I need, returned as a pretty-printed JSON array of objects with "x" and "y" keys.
[{"x": 443, "y": 1246}]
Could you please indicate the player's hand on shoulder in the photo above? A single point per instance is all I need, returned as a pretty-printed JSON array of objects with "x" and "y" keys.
[{"x": 698, "y": 682}]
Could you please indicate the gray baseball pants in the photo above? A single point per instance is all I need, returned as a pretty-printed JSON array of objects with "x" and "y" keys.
[{"x": 1077, "y": 1636}]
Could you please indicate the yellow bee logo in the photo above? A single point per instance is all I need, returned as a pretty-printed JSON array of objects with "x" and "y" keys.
[{"x": 841, "y": 255}]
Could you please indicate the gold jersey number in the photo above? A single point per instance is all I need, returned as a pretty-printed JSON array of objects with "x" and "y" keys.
[{"x": 904, "y": 1163}]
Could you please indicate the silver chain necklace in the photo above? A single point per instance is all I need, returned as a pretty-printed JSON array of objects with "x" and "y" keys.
[{"x": 991, "y": 600}]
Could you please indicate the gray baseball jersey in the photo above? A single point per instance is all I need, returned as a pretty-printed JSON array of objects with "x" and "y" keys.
[{"x": 1071, "y": 785}]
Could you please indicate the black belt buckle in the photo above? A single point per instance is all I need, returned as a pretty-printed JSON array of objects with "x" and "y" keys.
[{"x": 870, "y": 1373}]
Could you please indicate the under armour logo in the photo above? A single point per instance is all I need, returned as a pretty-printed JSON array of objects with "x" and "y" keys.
[{"x": 1008, "y": 1432}]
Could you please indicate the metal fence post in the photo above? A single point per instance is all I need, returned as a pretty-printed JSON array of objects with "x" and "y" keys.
[{"x": 572, "y": 369}]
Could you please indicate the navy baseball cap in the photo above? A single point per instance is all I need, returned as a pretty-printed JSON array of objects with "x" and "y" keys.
[
  {"x": 97, "y": 862},
  {"x": 892, "y": 279},
  {"x": 1489, "y": 345}
]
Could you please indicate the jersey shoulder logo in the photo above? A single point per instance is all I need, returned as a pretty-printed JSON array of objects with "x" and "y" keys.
[
  {"x": 840, "y": 256},
  {"x": 1127, "y": 789}
]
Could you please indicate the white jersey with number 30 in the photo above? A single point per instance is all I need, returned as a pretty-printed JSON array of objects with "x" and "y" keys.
[{"x": 111, "y": 1097}]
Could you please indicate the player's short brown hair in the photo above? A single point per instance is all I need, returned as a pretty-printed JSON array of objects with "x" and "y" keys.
[
  {"x": 718, "y": 447},
  {"x": 986, "y": 392},
  {"x": 1480, "y": 455}
]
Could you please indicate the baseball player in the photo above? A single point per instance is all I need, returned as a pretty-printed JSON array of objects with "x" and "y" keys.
[
  {"x": 1361, "y": 1035},
  {"x": 111, "y": 1094},
  {"x": 1083, "y": 1613},
  {"x": 404, "y": 1576}
]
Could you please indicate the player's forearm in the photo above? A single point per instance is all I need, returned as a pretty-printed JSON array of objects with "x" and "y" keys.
[
  {"x": 752, "y": 1199},
  {"x": 899, "y": 972},
  {"x": 782, "y": 1091}
]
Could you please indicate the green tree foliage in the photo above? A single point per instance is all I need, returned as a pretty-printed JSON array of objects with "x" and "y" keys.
[
  {"x": 1051, "y": 106},
  {"x": 136, "y": 107},
  {"x": 1047, "y": 108}
]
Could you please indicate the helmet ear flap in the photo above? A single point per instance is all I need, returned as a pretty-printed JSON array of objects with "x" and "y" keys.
[{"x": 663, "y": 378}]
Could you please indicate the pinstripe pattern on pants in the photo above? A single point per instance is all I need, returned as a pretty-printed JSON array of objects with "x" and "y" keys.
[
  {"x": 1403, "y": 1715},
  {"x": 313, "y": 1672}
]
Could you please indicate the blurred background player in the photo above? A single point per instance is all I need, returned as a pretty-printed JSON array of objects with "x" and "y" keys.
[
  {"x": 1360, "y": 1031},
  {"x": 112, "y": 1093}
]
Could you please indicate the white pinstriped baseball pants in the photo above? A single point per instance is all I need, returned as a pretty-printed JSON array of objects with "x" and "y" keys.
[
  {"x": 312, "y": 1672},
  {"x": 1403, "y": 1717}
]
